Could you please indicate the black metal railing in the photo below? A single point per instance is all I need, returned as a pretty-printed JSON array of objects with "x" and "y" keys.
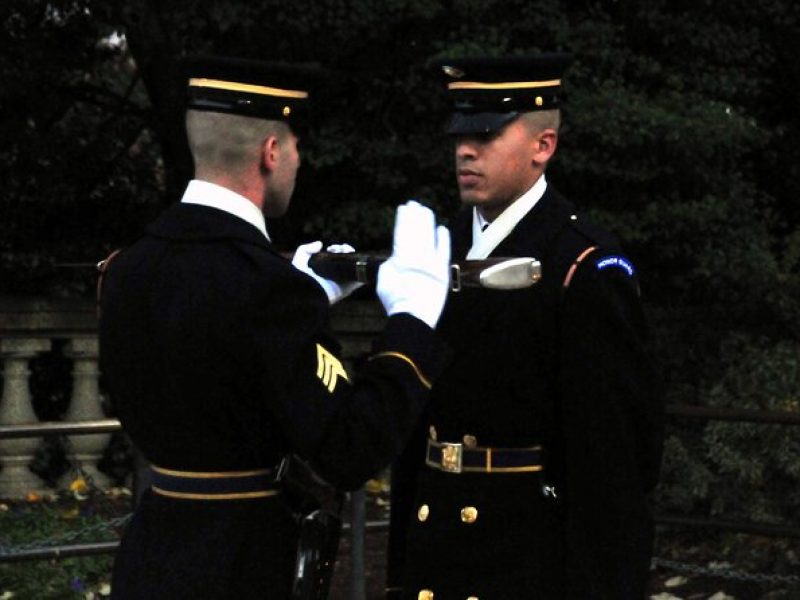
[{"x": 359, "y": 526}]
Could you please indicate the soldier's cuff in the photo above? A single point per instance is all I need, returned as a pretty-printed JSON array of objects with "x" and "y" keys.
[{"x": 410, "y": 340}]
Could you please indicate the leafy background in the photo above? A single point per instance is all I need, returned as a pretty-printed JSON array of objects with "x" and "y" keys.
[{"x": 681, "y": 130}]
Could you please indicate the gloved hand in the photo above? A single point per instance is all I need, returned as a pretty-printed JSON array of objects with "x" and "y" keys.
[
  {"x": 335, "y": 291},
  {"x": 416, "y": 278}
]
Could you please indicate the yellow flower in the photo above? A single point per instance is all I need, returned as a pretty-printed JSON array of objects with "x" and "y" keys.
[
  {"x": 32, "y": 497},
  {"x": 373, "y": 486},
  {"x": 71, "y": 513},
  {"x": 79, "y": 488},
  {"x": 79, "y": 485}
]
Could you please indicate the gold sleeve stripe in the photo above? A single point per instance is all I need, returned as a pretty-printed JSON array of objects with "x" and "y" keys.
[
  {"x": 424, "y": 380},
  {"x": 233, "y": 86},
  {"x": 508, "y": 85},
  {"x": 211, "y": 475},
  {"x": 573, "y": 268}
]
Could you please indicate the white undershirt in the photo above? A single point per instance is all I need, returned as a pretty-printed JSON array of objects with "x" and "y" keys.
[
  {"x": 212, "y": 195},
  {"x": 485, "y": 241}
]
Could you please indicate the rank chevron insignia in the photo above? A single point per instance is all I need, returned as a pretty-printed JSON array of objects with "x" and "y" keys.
[{"x": 329, "y": 368}]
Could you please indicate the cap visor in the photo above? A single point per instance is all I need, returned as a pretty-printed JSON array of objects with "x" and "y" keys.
[{"x": 474, "y": 123}]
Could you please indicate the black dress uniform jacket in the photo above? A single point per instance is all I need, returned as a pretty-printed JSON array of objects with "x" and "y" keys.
[
  {"x": 217, "y": 355},
  {"x": 564, "y": 368}
]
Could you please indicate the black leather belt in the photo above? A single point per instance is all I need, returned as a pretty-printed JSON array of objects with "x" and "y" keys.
[
  {"x": 458, "y": 458},
  {"x": 223, "y": 485}
]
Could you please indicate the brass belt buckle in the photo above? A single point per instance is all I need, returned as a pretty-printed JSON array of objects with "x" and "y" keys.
[{"x": 452, "y": 456}]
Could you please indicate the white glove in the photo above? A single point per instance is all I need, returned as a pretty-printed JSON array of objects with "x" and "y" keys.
[
  {"x": 335, "y": 291},
  {"x": 416, "y": 277}
]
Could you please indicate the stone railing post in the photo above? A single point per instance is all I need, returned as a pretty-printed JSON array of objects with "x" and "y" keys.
[
  {"x": 16, "y": 407},
  {"x": 84, "y": 451}
]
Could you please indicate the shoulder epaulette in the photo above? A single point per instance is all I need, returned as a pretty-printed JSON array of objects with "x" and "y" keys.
[
  {"x": 599, "y": 236},
  {"x": 593, "y": 238}
]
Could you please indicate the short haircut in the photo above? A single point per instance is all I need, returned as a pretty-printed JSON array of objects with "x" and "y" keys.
[
  {"x": 542, "y": 119},
  {"x": 228, "y": 142}
]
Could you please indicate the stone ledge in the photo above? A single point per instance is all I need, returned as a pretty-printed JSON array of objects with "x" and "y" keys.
[{"x": 42, "y": 316}]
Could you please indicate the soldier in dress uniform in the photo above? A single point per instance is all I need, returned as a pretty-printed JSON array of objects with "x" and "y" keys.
[
  {"x": 543, "y": 436},
  {"x": 220, "y": 362}
]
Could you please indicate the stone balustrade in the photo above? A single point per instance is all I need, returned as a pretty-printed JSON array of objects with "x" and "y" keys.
[{"x": 31, "y": 327}]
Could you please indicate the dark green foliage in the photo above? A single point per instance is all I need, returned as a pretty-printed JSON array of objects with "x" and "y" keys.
[
  {"x": 26, "y": 523},
  {"x": 680, "y": 134}
]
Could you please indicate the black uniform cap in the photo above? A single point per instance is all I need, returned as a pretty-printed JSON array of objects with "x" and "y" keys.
[
  {"x": 490, "y": 92},
  {"x": 267, "y": 90}
]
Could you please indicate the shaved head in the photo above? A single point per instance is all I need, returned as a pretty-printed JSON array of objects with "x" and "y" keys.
[
  {"x": 538, "y": 120},
  {"x": 228, "y": 144}
]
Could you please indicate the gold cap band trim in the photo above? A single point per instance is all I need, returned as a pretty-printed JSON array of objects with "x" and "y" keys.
[
  {"x": 248, "y": 88},
  {"x": 424, "y": 380},
  {"x": 509, "y": 85}
]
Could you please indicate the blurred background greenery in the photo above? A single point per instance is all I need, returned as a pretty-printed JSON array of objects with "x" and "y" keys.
[{"x": 681, "y": 135}]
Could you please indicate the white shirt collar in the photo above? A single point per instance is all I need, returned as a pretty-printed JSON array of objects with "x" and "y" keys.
[
  {"x": 485, "y": 241},
  {"x": 212, "y": 195}
]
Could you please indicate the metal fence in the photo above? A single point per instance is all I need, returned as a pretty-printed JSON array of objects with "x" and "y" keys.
[{"x": 358, "y": 527}]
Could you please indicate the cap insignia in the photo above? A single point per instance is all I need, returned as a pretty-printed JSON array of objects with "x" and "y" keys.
[{"x": 453, "y": 72}]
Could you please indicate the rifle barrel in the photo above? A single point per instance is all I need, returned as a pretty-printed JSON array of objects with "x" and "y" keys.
[{"x": 494, "y": 273}]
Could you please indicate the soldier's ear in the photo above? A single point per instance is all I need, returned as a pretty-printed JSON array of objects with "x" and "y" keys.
[
  {"x": 544, "y": 145},
  {"x": 270, "y": 152}
]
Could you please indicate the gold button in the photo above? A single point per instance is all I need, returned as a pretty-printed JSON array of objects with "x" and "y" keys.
[
  {"x": 539, "y": 100},
  {"x": 423, "y": 512},
  {"x": 432, "y": 432},
  {"x": 287, "y": 111},
  {"x": 472, "y": 598},
  {"x": 470, "y": 441},
  {"x": 425, "y": 595},
  {"x": 469, "y": 514}
]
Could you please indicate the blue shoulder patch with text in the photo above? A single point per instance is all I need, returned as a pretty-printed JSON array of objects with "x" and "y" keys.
[{"x": 616, "y": 261}]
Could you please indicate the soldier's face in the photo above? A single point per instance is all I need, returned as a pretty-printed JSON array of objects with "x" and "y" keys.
[{"x": 494, "y": 170}]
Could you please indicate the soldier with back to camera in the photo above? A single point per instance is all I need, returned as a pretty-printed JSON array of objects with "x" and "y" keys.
[{"x": 219, "y": 359}]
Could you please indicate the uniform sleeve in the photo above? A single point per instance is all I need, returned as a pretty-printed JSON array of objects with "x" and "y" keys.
[
  {"x": 348, "y": 425},
  {"x": 612, "y": 430}
]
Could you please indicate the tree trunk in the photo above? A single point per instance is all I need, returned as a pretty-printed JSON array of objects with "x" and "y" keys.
[{"x": 158, "y": 61}]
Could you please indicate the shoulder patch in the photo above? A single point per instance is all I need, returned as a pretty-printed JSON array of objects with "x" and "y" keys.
[{"x": 608, "y": 262}]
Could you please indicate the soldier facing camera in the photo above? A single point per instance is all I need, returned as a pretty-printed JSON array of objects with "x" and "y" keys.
[{"x": 531, "y": 473}]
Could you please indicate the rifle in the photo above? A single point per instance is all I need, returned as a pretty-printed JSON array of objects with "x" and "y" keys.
[
  {"x": 497, "y": 273},
  {"x": 317, "y": 507}
]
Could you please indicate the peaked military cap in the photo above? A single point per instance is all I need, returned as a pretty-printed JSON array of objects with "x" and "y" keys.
[
  {"x": 490, "y": 92},
  {"x": 266, "y": 90}
]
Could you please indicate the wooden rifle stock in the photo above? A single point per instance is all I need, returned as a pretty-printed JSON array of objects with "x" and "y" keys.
[{"x": 499, "y": 273}]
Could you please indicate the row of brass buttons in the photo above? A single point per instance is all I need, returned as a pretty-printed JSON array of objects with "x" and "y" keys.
[{"x": 469, "y": 514}]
